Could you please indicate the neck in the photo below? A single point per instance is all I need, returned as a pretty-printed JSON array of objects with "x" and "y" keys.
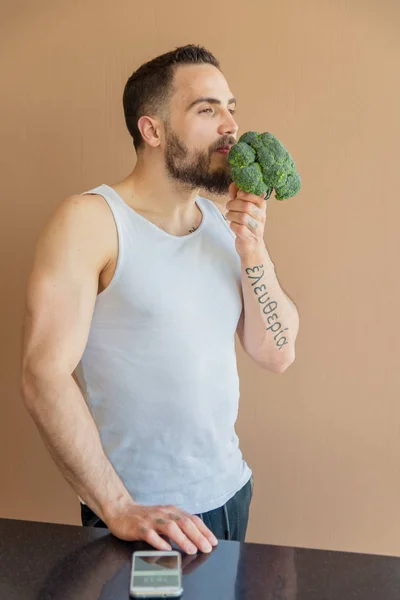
[{"x": 149, "y": 188}]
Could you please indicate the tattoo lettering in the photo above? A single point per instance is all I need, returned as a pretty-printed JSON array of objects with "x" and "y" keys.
[
  {"x": 272, "y": 306},
  {"x": 269, "y": 307},
  {"x": 282, "y": 339},
  {"x": 254, "y": 269},
  {"x": 274, "y": 327},
  {"x": 261, "y": 288},
  {"x": 256, "y": 279},
  {"x": 263, "y": 301},
  {"x": 257, "y": 276}
]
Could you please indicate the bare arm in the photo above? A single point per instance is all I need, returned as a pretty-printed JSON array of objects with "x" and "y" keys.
[
  {"x": 60, "y": 299},
  {"x": 71, "y": 253},
  {"x": 269, "y": 324}
]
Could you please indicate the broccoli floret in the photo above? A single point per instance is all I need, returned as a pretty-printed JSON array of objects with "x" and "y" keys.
[
  {"x": 251, "y": 178},
  {"x": 242, "y": 155},
  {"x": 261, "y": 164}
]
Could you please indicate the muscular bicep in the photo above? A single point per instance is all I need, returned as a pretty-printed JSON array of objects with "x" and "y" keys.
[{"x": 62, "y": 289}]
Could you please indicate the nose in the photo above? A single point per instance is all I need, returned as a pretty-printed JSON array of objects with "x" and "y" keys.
[{"x": 228, "y": 125}]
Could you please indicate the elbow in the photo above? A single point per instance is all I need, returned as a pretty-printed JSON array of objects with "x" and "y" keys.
[
  {"x": 31, "y": 384},
  {"x": 277, "y": 366},
  {"x": 281, "y": 367},
  {"x": 27, "y": 387}
]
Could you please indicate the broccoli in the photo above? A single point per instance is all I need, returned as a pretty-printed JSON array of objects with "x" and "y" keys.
[{"x": 260, "y": 164}]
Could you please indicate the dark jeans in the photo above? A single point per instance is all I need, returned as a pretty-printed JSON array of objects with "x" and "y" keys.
[{"x": 229, "y": 522}]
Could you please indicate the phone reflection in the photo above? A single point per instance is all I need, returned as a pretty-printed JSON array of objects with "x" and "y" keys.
[{"x": 100, "y": 570}]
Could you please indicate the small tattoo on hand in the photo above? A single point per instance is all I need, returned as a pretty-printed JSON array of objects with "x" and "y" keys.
[
  {"x": 175, "y": 517},
  {"x": 252, "y": 223}
]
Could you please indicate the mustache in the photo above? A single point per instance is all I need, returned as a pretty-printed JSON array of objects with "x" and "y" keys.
[{"x": 223, "y": 142}]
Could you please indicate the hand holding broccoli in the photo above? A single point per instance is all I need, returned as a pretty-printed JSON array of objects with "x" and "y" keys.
[
  {"x": 246, "y": 216},
  {"x": 260, "y": 164}
]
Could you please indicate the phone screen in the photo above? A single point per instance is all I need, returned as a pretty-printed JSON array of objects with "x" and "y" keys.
[{"x": 158, "y": 571}]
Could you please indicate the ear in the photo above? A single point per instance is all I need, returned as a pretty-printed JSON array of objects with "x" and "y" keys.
[{"x": 150, "y": 130}]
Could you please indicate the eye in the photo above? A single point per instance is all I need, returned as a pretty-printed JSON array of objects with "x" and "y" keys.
[
  {"x": 205, "y": 110},
  {"x": 232, "y": 111}
]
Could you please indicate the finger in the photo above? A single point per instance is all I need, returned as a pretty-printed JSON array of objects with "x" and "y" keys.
[
  {"x": 233, "y": 190},
  {"x": 202, "y": 527},
  {"x": 244, "y": 219},
  {"x": 151, "y": 537},
  {"x": 245, "y": 206},
  {"x": 259, "y": 200},
  {"x": 198, "y": 523},
  {"x": 241, "y": 231},
  {"x": 193, "y": 532},
  {"x": 177, "y": 535}
]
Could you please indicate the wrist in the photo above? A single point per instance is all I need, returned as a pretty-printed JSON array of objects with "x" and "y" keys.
[
  {"x": 117, "y": 506},
  {"x": 257, "y": 257}
]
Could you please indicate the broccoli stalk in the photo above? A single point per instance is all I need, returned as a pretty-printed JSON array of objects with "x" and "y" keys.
[{"x": 260, "y": 164}]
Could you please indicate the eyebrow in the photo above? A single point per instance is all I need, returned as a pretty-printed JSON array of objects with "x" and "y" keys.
[{"x": 209, "y": 101}]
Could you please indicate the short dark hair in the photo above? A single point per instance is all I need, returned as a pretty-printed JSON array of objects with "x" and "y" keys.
[{"x": 148, "y": 88}]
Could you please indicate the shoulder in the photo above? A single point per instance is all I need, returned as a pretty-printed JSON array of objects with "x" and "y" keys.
[
  {"x": 84, "y": 223},
  {"x": 84, "y": 211},
  {"x": 83, "y": 207}
]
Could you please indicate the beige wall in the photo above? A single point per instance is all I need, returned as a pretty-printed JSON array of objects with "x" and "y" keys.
[{"x": 323, "y": 439}]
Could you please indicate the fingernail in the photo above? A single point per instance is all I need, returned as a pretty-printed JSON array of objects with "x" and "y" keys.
[
  {"x": 214, "y": 541},
  {"x": 191, "y": 549},
  {"x": 206, "y": 547}
]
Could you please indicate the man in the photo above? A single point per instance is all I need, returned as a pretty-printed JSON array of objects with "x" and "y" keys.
[{"x": 143, "y": 284}]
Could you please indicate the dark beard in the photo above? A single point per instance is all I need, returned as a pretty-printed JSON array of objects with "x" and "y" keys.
[{"x": 195, "y": 172}]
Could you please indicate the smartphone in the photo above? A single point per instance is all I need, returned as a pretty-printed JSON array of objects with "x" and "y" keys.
[{"x": 155, "y": 574}]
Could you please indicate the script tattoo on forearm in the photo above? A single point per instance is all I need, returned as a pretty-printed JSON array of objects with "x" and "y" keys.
[{"x": 269, "y": 307}]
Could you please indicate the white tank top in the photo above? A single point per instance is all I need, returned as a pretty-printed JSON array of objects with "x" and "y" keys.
[{"x": 159, "y": 369}]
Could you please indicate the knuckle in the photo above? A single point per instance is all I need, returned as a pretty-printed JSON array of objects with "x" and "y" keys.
[
  {"x": 149, "y": 537},
  {"x": 169, "y": 526},
  {"x": 185, "y": 521},
  {"x": 174, "y": 516},
  {"x": 141, "y": 522},
  {"x": 144, "y": 531},
  {"x": 196, "y": 520}
]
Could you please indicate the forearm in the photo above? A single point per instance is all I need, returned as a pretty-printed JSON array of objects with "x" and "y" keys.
[
  {"x": 271, "y": 321},
  {"x": 59, "y": 410}
]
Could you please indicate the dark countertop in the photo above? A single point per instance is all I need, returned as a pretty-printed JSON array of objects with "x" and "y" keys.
[{"x": 41, "y": 561}]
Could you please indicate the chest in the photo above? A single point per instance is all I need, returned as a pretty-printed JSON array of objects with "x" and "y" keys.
[{"x": 195, "y": 283}]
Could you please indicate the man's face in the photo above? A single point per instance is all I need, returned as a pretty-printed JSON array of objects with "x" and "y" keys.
[{"x": 200, "y": 129}]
